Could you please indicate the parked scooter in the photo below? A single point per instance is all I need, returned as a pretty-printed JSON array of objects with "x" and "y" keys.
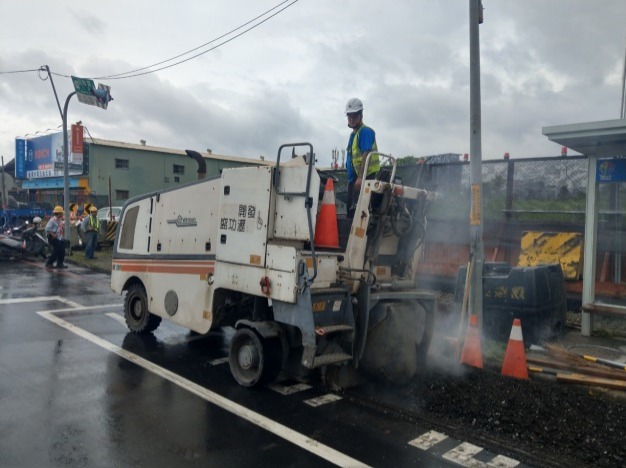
[{"x": 24, "y": 240}]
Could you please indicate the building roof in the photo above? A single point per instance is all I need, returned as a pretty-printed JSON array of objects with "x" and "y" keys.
[
  {"x": 158, "y": 149},
  {"x": 601, "y": 138}
]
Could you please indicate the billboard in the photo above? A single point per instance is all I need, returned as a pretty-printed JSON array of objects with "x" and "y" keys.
[
  {"x": 611, "y": 170},
  {"x": 40, "y": 157}
]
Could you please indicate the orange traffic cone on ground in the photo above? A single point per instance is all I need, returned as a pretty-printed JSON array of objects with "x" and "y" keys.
[
  {"x": 472, "y": 354},
  {"x": 514, "y": 364},
  {"x": 326, "y": 232}
]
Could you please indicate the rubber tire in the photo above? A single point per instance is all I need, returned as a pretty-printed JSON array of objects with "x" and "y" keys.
[
  {"x": 268, "y": 357},
  {"x": 136, "y": 313}
]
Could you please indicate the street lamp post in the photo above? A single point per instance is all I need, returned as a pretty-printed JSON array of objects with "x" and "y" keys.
[
  {"x": 87, "y": 94},
  {"x": 66, "y": 178}
]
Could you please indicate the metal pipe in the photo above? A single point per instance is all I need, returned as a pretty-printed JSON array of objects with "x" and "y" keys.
[{"x": 201, "y": 162}]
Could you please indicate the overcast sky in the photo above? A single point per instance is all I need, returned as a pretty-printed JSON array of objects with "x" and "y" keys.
[{"x": 542, "y": 63}]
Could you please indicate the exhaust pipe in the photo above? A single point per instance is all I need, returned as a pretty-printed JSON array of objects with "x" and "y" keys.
[{"x": 201, "y": 162}]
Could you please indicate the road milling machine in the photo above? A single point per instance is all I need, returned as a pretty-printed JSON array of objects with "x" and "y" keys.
[{"x": 238, "y": 250}]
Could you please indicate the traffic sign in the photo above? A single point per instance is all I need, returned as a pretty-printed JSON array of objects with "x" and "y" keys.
[
  {"x": 88, "y": 94},
  {"x": 103, "y": 95},
  {"x": 83, "y": 85}
]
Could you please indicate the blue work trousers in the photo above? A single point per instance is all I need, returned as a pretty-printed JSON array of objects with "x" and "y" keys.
[{"x": 91, "y": 242}]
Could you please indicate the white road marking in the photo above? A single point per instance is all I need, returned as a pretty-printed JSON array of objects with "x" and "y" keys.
[
  {"x": 428, "y": 440},
  {"x": 323, "y": 400},
  {"x": 21, "y": 300},
  {"x": 219, "y": 361},
  {"x": 463, "y": 453},
  {"x": 116, "y": 317},
  {"x": 502, "y": 462},
  {"x": 288, "y": 389},
  {"x": 288, "y": 434}
]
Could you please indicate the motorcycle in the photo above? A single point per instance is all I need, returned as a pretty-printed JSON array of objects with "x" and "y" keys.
[{"x": 24, "y": 240}]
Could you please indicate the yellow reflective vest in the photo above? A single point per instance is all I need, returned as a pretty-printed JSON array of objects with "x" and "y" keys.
[{"x": 357, "y": 156}]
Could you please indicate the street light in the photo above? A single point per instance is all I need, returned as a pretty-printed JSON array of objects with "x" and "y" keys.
[{"x": 87, "y": 93}]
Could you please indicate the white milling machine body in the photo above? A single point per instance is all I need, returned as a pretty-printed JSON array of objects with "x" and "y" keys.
[{"x": 237, "y": 250}]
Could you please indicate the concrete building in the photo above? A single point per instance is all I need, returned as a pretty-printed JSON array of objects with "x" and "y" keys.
[{"x": 115, "y": 171}]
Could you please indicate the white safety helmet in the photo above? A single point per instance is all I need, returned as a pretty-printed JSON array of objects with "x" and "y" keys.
[
  {"x": 354, "y": 105},
  {"x": 36, "y": 220}
]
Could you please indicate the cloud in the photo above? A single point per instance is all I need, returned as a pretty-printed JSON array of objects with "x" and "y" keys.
[
  {"x": 542, "y": 63},
  {"x": 89, "y": 22}
]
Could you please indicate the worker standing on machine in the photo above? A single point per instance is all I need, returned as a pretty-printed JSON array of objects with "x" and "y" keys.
[{"x": 362, "y": 141}]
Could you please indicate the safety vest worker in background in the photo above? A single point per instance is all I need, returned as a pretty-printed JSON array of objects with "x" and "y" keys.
[
  {"x": 362, "y": 141},
  {"x": 91, "y": 228}
]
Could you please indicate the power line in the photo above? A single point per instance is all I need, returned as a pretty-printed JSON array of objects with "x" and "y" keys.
[
  {"x": 140, "y": 72},
  {"x": 196, "y": 48},
  {"x": 18, "y": 71}
]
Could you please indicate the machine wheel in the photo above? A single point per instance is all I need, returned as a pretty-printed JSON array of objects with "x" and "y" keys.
[
  {"x": 398, "y": 342},
  {"x": 427, "y": 335},
  {"x": 138, "y": 317},
  {"x": 254, "y": 359}
]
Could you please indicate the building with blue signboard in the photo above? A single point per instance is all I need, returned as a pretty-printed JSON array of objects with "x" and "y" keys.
[{"x": 107, "y": 172}]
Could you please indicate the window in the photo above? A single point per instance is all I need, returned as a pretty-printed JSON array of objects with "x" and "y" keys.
[
  {"x": 121, "y": 194},
  {"x": 178, "y": 169},
  {"x": 127, "y": 236},
  {"x": 121, "y": 163},
  {"x": 176, "y": 179}
]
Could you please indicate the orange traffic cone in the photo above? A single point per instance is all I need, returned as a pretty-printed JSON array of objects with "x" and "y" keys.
[
  {"x": 326, "y": 232},
  {"x": 472, "y": 354},
  {"x": 514, "y": 364}
]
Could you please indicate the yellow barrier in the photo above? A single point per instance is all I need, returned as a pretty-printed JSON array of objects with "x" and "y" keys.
[
  {"x": 111, "y": 227},
  {"x": 565, "y": 248}
]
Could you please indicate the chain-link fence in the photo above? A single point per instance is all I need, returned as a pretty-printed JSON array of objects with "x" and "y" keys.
[{"x": 532, "y": 189}]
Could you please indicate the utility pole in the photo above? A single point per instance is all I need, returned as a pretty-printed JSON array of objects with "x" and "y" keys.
[
  {"x": 477, "y": 251},
  {"x": 4, "y": 188}
]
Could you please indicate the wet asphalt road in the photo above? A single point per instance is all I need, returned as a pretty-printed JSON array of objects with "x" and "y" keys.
[{"x": 77, "y": 390}]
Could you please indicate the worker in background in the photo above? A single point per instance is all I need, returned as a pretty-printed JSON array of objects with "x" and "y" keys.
[
  {"x": 362, "y": 141},
  {"x": 73, "y": 213},
  {"x": 54, "y": 232},
  {"x": 91, "y": 228}
]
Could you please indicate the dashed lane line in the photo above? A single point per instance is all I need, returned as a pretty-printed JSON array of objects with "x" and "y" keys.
[
  {"x": 286, "y": 433},
  {"x": 323, "y": 400},
  {"x": 288, "y": 389},
  {"x": 463, "y": 453},
  {"x": 219, "y": 361},
  {"x": 428, "y": 440}
]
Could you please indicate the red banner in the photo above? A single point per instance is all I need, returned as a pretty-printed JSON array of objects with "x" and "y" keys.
[{"x": 77, "y": 139}]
